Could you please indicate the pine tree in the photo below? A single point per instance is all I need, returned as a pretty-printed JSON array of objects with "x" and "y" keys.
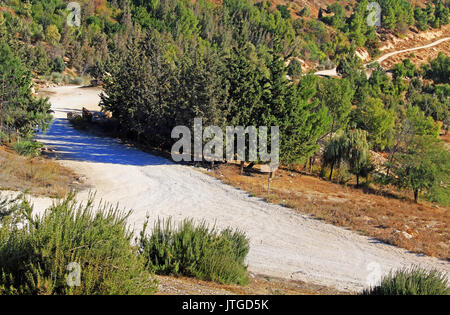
[
  {"x": 19, "y": 111},
  {"x": 336, "y": 95},
  {"x": 371, "y": 116}
]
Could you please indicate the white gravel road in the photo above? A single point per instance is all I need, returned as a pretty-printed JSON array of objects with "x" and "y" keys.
[
  {"x": 333, "y": 72},
  {"x": 283, "y": 243}
]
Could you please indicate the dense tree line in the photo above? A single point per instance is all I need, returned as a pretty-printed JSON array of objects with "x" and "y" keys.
[
  {"x": 246, "y": 87},
  {"x": 27, "y": 25},
  {"x": 167, "y": 62}
]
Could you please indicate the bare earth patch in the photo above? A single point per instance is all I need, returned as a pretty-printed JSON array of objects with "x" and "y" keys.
[
  {"x": 259, "y": 285},
  {"x": 420, "y": 56}
]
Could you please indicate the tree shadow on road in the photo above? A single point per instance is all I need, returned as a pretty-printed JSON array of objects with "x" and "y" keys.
[{"x": 76, "y": 145}]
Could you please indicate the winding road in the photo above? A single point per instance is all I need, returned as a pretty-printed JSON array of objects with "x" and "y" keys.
[
  {"x": 284, "y": 243},
  {"x": 333, "y": 72}
]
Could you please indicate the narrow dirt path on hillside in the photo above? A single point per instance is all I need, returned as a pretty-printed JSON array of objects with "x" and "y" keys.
[
  {"x": 283, "y": 243},
  {"x": 333, "y": 72}
]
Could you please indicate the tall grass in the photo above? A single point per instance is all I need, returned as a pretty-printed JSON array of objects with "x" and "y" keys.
[
  {"x": 196, "y": 251},
  {"x": 39, "y": 176},
  {"x": 412, "y": 281},
  {"x": 35, "y": 252}
]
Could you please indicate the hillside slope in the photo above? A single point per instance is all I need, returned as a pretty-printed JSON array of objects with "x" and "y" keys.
[{"x": 283, "y": 243}]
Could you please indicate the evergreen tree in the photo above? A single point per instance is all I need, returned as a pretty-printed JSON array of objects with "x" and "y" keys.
[
  {"x": 371, "y": 116},
  {"x": 424, "y": 165},
  {"x": 336, "y": 95},
  {"x": 19, "y": 110}
]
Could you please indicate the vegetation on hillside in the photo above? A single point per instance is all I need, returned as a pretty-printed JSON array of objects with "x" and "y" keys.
[
  {"x": 196, "y": 251},
  {"x": 69, "y": 250},
  {"x": 164, "y": 63},
  {"x": 87, "y": 249},
  {"x": 412, "y": 281}
]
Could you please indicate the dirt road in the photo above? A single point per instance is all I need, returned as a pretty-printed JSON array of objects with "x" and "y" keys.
[
  {"x": 283, "y": 242},
  {"x": 333, "y": 72}
]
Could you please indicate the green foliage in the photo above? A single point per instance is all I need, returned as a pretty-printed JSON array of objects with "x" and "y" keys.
[
  {"x": 334, "y": 153},
  {"x": 19, "y": 110},
  {"x": 302, "y": 123},
  {"x": 350, "y": 148},
  {"x": 38, "y": 60},
  {"x": 28, "y": 148},
  {"x": 424, "y": 165},
  {"x": 439, "y": 193},
  {"x": 357, "y": 153},
  {"x": 4, "y": 138},
  {"x": 196, "y": 251},
  {"x": 305, "y": 12},
  {"x": 350, "y": 66},
  {"x": 431, "y": 104},
  {"x": 379, "y": 122},
  {"x": 435, "y": 14},
  {"x": 35, "y": 251},
  {"x": 337, "y": 19},
  {"x": 58, "y": 65},
  {"x": 421, "y": 19},
  {"x": 285, "y": 13},
  {"x": 420, "y": 124},
  {"x": 77, "y": 81},
  {"x": 439, "y": 69},
  {"x": 404, "y": 69},
  {"x": 52, "y": 34},
  {"x": 395, "y": 13},
  {"x": 294, "y": 69},
  {"x": 411, "y": 281},
  {"x": 336, "y": 95},
  {"x": 57, "y": 77}
]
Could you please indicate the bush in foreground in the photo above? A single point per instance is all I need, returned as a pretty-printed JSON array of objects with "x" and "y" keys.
[
  {"x": 36, "y": 253},
  {"x": 196, "y": 251},
  {"x": 414, "y": 281},
  {"x": 28, "y": 148}
]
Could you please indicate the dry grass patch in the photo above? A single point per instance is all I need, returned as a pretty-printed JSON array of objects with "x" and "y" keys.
[
  {"x": 259, "y": 285},
  {"x": 385, "y": 215},
  {"x": 40, "y": 176}
]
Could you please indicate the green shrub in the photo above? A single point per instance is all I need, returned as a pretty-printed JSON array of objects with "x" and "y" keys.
[
  {"x": 58, "y": 65},
  {"x": 4, "y": 138},
  {"x": 284, "y": 10},
  {"x": 67, "y": 79},
  {"x": 36, "y": 252},
  {"x": 57, "y": 77},
  {"x": 305, "y": 12},
  {"x": 77, "y": 81},
  {"x": 196, "y": 251},
  {"x": 413, "y": 281},
  {"x": 439, "y": 194},
  {"x": 294, "y": 69},
  {"x": 28, "y": 148}
]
